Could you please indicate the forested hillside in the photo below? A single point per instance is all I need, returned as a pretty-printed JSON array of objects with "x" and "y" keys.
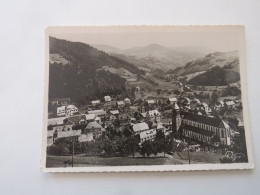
[
  {"x": 80, "y": 78},
  {"x": 216, "y": 76}
]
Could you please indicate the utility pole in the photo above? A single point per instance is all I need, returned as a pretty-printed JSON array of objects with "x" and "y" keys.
[
  {"x": 72, "y": 151},
  {"x": 189, "y": 151},
  {"x": 133, "y": 145}
]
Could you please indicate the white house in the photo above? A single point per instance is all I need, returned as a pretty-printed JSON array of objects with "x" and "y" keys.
[
  {"x": 173, "y": 100},
  {"x": 120, "y": 104},
  {"x": 147, "y": 135},
  {"x": 230, "y": 104},
  {"x": 107, "y": 99},
  {"x": 99, "y": 113},
  {"x": 127, "y": 101},
  {"x": 114, "y": 112},
  {"x": 71, "y": 110},
  {"x": 95, "y": 102},
  {"x": 61, "y": 111},
  {"x": 153, "y": 115},
  {"x": 150, "y": 101},
  {"x": 140, "y": 127}
]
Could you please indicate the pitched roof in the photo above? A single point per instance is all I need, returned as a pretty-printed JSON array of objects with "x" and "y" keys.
[
  {"x": 93, "y": 125},
  {"x": 77, "y": 118},
  {"x": 198, "y": 130},
  {"x": 56, "y": 121},
  {"x": 201, "y": 119},
  {"x": 95, "y": 101},
  {"x": 90, "y": 116},
  {"x": 97, "y": 112},
  {"x": 120, "y": 102},
  {"x": 230, "y": 103},
  {"x": 71, "y": 106},
  {"x": 173, "y": 99},
  {"x": 140, "y": 127},
  {"x": 150, "y": 101},
  {"x": 114, "y": 111}
]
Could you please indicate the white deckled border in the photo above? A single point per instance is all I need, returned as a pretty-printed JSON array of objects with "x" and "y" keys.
[{"x": 112, "y": 29}]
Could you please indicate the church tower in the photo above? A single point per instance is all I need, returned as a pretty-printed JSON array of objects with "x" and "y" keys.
[{"x": 176, "y": 118}]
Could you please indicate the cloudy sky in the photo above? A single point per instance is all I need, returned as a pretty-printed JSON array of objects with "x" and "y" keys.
[{"x": 214, "y": 38}]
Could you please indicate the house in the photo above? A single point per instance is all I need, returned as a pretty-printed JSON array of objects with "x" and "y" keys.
[
  {"x": 124, "y": 119},
  {"x": 72, "y": 133},
  {"x": 95, "y": 128},
  {"x": 140, "y": 127},
  {"x": 127, "y": 101},
  {"x": 76, "y": 119},
  {"x": 95, "y": 102},
  {"x": 61, "y": 101},
  {"x": 221, "y": 103},
  {"x": 207, "y": 109},
  {"x": 99, "y": 113},
  {"x": 150, "y": 102},
  {"x": 112, "y": 117},
  {"x": 212, "y": 131},
  {"x": 66, "y": 127},
  {"x": 71, "y": 110},
  {"x": 120, "y": 104},
  {"x": 153, "y": 115},
  {"x": 107, "y": 99},
  {"x": 230, "y": 104},
  {"x": 56, "y": 121},
  {"x": 61, "y": 111},
  {"x": 92, "y": 118},
  {"x": 172, "y": 100},
  {"x": 147, "y": 135},
  {"x": 114, "y": 112}
]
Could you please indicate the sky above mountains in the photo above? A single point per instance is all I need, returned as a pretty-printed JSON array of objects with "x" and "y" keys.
[{"x": 215, "y": 40}]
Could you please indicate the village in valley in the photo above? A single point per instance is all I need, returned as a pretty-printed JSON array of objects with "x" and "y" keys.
[{"x": 155, "y": 119}]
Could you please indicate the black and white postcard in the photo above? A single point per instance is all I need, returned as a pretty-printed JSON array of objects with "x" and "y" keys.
[{"x": 145, "y": 98}]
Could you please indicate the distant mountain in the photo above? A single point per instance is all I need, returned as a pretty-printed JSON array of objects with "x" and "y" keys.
[
  {"x": 155, "y": 56},
  {"x": 218, "y": 68},
  {"x": 76, "y": 69},
  {"x": 108, "y": 49},
  {"x": 222, "y": 59}
]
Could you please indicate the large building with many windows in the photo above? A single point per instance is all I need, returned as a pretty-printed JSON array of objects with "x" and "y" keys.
[{"x": 206, "y": 129}]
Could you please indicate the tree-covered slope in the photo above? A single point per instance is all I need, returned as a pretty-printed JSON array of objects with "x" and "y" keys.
[
  {"x": 79, "y": 77},
  {"x": 216, "y": 76}
]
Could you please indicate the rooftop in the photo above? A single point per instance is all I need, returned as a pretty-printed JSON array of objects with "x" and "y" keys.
[
  {"x": 201, "y": 119},
  {"x": 140, "y": 127}
]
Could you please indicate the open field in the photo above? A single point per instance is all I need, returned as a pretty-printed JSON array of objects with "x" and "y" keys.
[
  {"x": 176, "y": 159},
  {"x": 201, "y": 157}
]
